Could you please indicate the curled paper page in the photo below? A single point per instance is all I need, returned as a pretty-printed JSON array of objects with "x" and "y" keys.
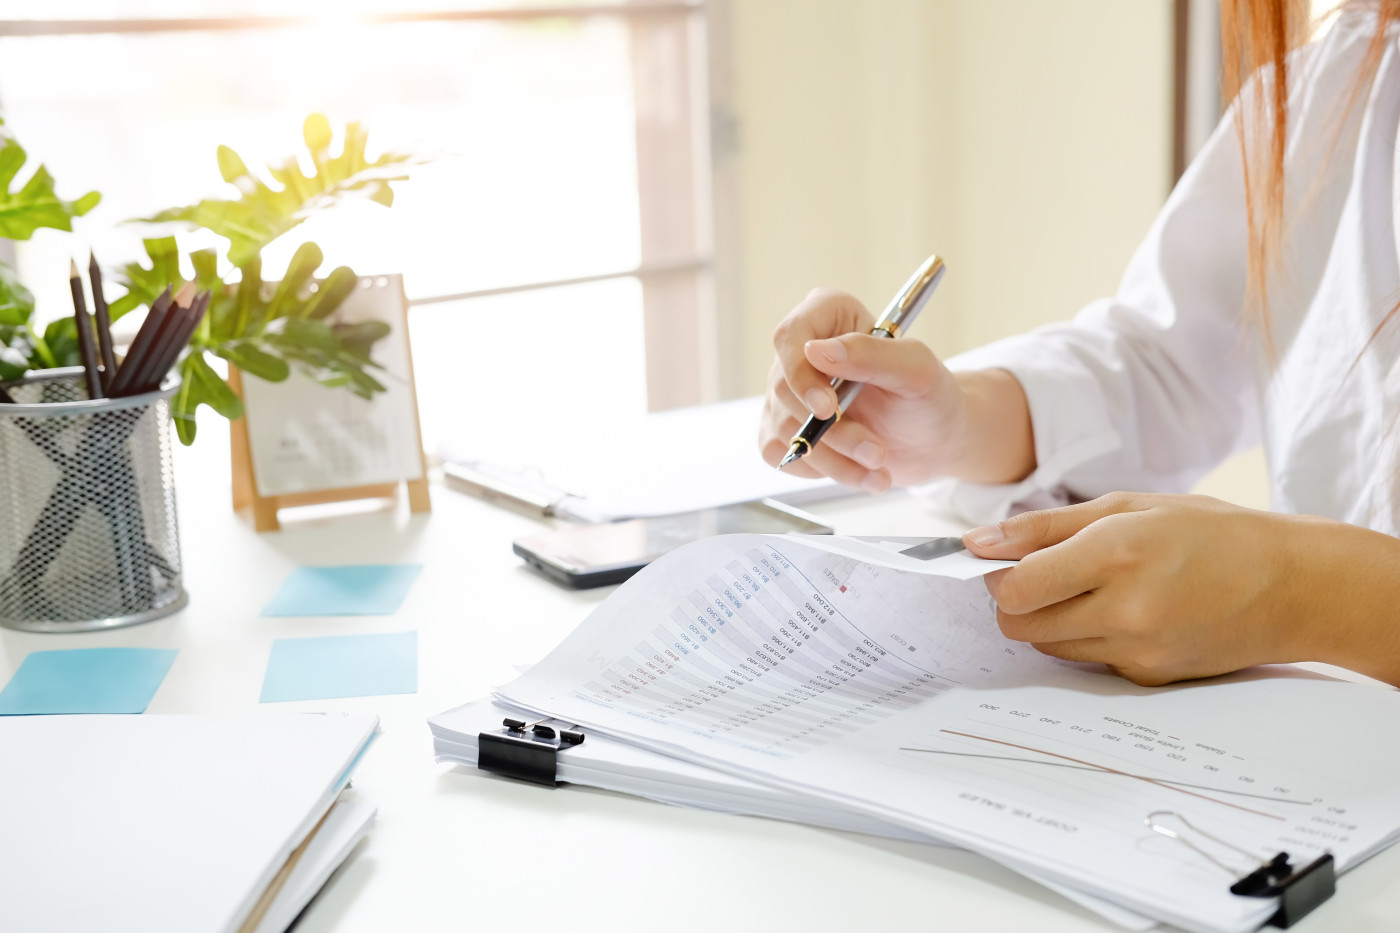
[{"x": 941, "y": 557}]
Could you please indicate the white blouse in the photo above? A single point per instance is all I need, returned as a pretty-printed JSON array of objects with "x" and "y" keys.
[{"x": 1152, "y": 388}]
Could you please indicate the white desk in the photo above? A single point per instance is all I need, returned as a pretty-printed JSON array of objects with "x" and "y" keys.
[{"x": 456, "y": 850}]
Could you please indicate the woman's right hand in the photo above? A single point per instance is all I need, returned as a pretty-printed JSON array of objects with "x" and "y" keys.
[{"x": 906, "y": 426}]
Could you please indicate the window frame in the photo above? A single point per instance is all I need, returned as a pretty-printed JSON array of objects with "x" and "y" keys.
[{"x": 1196, "y": 64}]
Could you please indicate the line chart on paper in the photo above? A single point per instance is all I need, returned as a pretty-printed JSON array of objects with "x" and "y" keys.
[
  {"x": 1079, "y": 764},
  {"x": 1107, "y": 773}
]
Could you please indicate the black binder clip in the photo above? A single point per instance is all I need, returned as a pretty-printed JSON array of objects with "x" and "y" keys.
[
  {"x": 525, "y": 750},
  {"x": 1298, "y": 890}
]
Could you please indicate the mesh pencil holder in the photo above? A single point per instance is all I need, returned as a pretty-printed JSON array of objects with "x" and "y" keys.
[{"x": 88, "y": 532}]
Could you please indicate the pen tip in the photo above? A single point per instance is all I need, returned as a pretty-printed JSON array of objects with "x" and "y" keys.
[{"x": 72, "y": 268}]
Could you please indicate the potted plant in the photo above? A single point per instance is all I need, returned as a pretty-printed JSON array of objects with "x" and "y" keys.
[
  {"x": 77, "y": 458},
  {"x": 265, "y": 330},
  {"x": 268, "y": 331}
]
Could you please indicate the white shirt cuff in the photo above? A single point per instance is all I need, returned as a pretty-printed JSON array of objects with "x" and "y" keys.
[{"x": 1070, "y": 422}]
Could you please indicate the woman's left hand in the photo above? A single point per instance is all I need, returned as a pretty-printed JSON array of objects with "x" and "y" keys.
[{"x": 1158, "y": 587}]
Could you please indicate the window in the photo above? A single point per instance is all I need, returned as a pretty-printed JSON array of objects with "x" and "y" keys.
[{"x": 560, "y": 237}]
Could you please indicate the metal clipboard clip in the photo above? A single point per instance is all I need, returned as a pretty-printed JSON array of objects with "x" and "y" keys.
[
  {"x": 526, "y": 750},
  {"x": 1299, "y": 890}
]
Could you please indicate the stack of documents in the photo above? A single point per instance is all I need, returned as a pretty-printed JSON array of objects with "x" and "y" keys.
[
  {"x": 673, "y": 461},
  {"x": 182, "y": 823},
  {"x": 850, "y": 684},
  {"x": 614, "y": 765}
]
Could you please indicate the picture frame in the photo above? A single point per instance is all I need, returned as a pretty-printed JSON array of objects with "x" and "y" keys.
[{"x": 300, "y": 443}]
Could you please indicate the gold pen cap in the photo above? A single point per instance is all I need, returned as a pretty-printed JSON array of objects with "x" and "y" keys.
[{"x": 906, "y": 305}]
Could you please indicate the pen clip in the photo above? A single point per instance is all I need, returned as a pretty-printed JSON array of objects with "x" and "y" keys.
[{"x": 910, "y": 299}]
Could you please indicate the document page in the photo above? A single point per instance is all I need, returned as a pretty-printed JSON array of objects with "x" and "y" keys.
[
  {"x": 606, "y": 472},
  {"x": 893, "y": 692}
]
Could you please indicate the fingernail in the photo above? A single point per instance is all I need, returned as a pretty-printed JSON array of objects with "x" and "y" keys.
[
  {"x": 873, "y": 482},
  {"x": 833, "y": 350},
  {"x": 816, "y": 399},
  {"x": 986, "y": 536},
  {"x": 869, "y": 455}
]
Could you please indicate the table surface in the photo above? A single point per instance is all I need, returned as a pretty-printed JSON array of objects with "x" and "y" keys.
[{"x": 455, "y": 848}]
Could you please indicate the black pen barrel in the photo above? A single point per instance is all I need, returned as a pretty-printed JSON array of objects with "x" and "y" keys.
[{"x": 814, "y": 428}]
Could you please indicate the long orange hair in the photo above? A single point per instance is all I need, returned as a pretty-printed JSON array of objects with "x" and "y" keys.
[{"x": 1257, "y": 37}]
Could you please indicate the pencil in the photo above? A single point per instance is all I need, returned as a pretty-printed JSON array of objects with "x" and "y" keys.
[
  {"x": 103, "y": 320},
  {"x": 136, "y": 353},
  {"x": 84, "y": 324},
  {"x": 175, "y": 340},
  {"x": 162, "y": 342}
]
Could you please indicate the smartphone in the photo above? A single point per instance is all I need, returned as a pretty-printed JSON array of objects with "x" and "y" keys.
[{"x": 598, "y": 555}]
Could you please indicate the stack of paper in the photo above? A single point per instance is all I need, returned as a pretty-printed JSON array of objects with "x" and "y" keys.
[
  {"x": 628, "y": 769},
  {"x": 850, "y": 684},
  {"x": 181, "y": 823}
]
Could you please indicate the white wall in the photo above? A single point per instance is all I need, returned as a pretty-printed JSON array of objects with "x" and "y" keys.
[
  {"x": 844, "y": 167},
  {"x": 1063, "y": 153},
  {"x": 1027, "y": 141}
]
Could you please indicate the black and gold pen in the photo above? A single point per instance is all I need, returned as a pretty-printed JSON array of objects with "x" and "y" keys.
[{"x": 896, "y": 319}]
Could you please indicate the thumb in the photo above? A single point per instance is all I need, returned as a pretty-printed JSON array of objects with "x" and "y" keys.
[
  {"x": 1015, "y": 537},
  {"x": 906, "y": 368}
]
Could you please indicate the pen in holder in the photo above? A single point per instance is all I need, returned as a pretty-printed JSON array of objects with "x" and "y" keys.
[{"x": 88, "y": 532}]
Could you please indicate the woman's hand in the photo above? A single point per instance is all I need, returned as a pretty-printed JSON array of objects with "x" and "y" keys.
[
  {"x": 1164, "y": 588},
  {"x": 914, "y": 420}
]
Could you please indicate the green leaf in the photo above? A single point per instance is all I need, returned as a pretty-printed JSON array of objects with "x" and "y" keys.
[
  {"x": 320, "y": 354},
  {"x": 317, "y": 133},
  {"x": 255, "y": 361},
  {"x": 312, "y": 335},
  {"x": 206, "y": 268},
  {"x": 16, "y": 303},
  {"x": 231, "y": 167},
  {"x": 200, "y": 385},
  {"x": 287, "y": 299},
  {"x": 184, "y": 404},
  {"x": 35, "y": 204},
  {"x": 217, "y": 393},
  {"x": 261, "y": 213},
  {"x": 358, "y": 339},
  {"x": 143, "y": 284},
  {"x": 61, "y": 336},
  {"x": 364, "y": 385},
  {"x": 331, "y": 293},
  {"x": 16, "y": 354},
  {"x": 248, "y": 296}
]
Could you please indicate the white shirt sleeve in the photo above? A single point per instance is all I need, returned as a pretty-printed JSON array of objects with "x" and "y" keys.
[{"x": 1148, "y": 390}]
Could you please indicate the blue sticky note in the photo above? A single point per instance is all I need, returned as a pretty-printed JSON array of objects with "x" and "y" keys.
[
  {"x": 364, "y": 590},
  {"x": 86, "y": 680},
  {"x": 341, "y": 666}
]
